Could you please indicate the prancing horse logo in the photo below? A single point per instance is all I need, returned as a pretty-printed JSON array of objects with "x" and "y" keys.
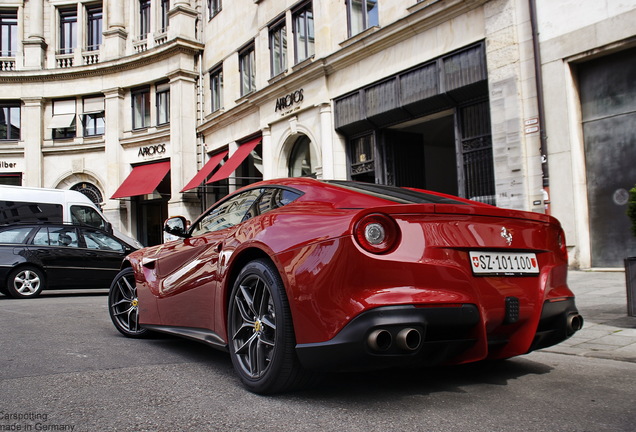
[{"x": 507, "y": 236}]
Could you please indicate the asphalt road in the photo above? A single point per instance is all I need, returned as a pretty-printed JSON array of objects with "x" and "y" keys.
[{"x": 63, "y": 366}]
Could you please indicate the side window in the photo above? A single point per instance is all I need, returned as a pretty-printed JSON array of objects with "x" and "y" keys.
[
  {"x": 15, "y": 235},
  {"x": 99, "y": 240},
  {"x": 227, "y": 214},
  {"x": 63, "y": 237},
  {"x": 42, "y": 238},
  {"x": 274, "y": 198},
  {"x": 82, "y": 215}
]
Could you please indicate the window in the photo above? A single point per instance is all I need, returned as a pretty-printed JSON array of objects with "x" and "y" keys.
[
  {"x": 163, "y": 103},
  {"x": 303, "y": 20},
  {"x": 66, "y": 237},
  {"x": 20, "y": 211},
  {"x": 93, "y": 116},
  {"x": 300, "y": 158},
  {"x": 144, "y": 18},
  {"x": 247, "y": 69},
  {"x": 9, "y": 120},
  {"x": 101, "y": 241},
  {"x": 8, "y": 33},
  {"x": 227, "y": 214},
  {"x": 216, "y": 88},
  {"x": 363, "y": 159},
  {"x": 362, "y": 14},
  {"x": 165, "y": 7},
  {"x": 68, "y": 30},
  {"x": 214, "y": 7},
  {"x": 93, "y": 27},
  {"x": 83, "y": 215},
  {"x": 63, "y": 121},
  {"x": 15, "y": 235},
  {"x": 278, "y": 48},
  {"x": 141, "y": 108}
]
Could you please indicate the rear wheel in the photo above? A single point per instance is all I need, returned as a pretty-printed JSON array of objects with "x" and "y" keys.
[
  {"x": 260, "y": 331},
  {"x": 123, "y": 305},
  {"x": 25, "y": 282}
]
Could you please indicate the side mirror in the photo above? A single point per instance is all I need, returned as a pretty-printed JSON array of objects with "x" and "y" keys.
[{"x": 176, "y": 226}]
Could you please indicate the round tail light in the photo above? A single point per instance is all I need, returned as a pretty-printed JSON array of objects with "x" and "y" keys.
[{"x": 377, "y": 233}]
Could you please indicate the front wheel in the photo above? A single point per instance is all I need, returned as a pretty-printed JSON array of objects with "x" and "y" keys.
[
  {"x": 260, "y": 331},
  {"x": 25, "y": 282},
  {"x": 123, "y": 305}
]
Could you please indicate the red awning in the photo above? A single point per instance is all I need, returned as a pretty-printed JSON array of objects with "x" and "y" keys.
[
  {"x": 205, "y": 171},
  {"x": 142, "y": 180},
  {"x": 235, "y": 160}
]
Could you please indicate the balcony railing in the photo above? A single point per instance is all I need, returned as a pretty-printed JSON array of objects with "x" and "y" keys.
[
  {"x": 7, "y": 64},
  {"x": 65, "y": 60}
]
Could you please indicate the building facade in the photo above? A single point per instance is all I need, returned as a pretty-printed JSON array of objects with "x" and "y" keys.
[{"x": 157, "y": 107}]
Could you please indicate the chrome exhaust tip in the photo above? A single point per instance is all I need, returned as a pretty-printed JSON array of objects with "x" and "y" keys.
[
  {"x": 574, "y": 323},
  {"x": 380, "y": 340},
  {"x": 409, "y": 339}
]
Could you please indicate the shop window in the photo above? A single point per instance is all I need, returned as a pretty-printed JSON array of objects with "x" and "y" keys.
[
  {"x": 68, "y": 30},
  {"x": 9, "y": 120},
  {"x": 63, "y": 121},
  {"x": 8, "y": 33},
  {"x": 165, "y": 7},
  {"x": 93, "y": 116},
  {"x": 362, "y": 153},
  {"x": 163, "y": 103},
  {"x": 94, "y": 17},
  {"x": 11, "y": 179},
  {"x": 214, "y": 7},
  {"x": 141, "y": 108},
  {"x": 144, "y": 18},
  {"x": 300, "y": 158},
  {"x": 362, "y": 14},
  {"x": 247, "y": 69},
  {"x": 278, "y": 48},
  {"x": 216, "y": 88},
  {"x": 304, "y": 38},
  {"x": 251, "y": 169}
]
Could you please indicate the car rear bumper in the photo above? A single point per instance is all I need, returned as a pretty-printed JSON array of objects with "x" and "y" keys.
[{"x": 408, "y": 335}]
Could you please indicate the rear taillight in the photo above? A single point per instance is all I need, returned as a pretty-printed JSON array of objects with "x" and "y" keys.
[
  {"x": 377, "y": 233},
  {"x": 562, "y": 244}
]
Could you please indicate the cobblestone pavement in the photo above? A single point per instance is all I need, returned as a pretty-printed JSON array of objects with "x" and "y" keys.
[{"x": 601, "y": 297}]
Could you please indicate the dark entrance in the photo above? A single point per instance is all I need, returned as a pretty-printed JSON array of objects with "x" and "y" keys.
[{"x": 608, "y": 107}]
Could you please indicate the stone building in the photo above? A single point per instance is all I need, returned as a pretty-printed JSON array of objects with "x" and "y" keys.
[{"x": 157, "y": 107}]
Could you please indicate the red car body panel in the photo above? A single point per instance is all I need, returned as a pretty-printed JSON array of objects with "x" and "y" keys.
[{"x": 330, "y": 280}]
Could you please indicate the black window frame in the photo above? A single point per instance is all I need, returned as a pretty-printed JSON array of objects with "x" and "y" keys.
[
  {"x": 144, "y": 18},
  {"x": 8, "y": 111},
  {"x": 67, "y": 132},
  {"x": 247, "y": 70},
  {"x": 68, "y": 30},
  {"x": 165, "y": 21},
  {"x": 8, "y": 32},
  {"x": 214, "y": 7},
  {"x": 216, "y": 88},
  {"x": 162, "y": 95},
  {"x": 144, "y": 110},
  {"x": 278, "y": 47},
  {"x": 303, "y": 20},
  {"x": 94, "y": 26},
  {"x": 364, "y": 15}
]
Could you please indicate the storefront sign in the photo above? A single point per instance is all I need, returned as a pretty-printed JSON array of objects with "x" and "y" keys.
[
  {"x": 152, "y": 150},
  {"x": 8, "y": 165},
  {"x": 286, "y": 103}
]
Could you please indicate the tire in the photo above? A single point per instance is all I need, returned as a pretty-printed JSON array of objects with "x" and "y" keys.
[
  {"x": 25, "y": 282},
  {"x": 261, "y": 337},
  {"x": 123, "y": 305}
]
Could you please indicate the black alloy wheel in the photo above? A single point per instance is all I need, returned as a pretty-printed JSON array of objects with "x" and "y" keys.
[
  {"x": 123, "y": 305},
  {"x": 260, "y": 331},
  {"x": 25, "y": 282}
]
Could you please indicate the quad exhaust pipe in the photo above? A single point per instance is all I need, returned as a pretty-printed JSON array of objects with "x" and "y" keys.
[{"x": 408, "y": 339}]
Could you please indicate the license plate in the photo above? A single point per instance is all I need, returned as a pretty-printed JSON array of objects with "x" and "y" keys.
[{"x": 504, "y": 263}]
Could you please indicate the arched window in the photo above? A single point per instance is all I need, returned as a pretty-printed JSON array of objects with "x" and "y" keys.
[
  {"x": 300, "y": 158},
  {"x": 90, "y": 190}
]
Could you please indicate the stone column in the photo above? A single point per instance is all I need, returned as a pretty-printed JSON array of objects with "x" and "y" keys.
[
  {"x": 326, "y": 141},
  {"x": 182, "y": 20},
  {"x": 115, "y": 172},
  {"x": 269, "y": 159},
  {"x": 35, "y": 46},
  {"x": 32, "y": 137},
  {"x": 114, "y": 45}
]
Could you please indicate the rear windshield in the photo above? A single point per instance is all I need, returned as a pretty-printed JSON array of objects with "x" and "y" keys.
[{"x": 395, "y": 194}]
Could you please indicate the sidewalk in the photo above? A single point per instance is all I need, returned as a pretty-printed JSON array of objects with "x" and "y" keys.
[{"x": 608, "y": 332}]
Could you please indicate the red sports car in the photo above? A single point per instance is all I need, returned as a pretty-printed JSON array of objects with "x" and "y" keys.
[{"x": 298, "y": 275}]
